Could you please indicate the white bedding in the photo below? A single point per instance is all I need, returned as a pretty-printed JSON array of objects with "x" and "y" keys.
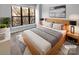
[{"x": 40, "y": 44}]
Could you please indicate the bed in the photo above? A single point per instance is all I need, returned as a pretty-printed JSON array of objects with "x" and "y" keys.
[{"x": 44, "y": 40}]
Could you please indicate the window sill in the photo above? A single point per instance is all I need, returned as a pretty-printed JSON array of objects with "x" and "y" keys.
[{"x": 22, "y": 28}]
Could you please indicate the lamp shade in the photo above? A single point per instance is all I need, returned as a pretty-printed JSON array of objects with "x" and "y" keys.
[
  {"x": 41, "y": 19},
  {"x": 73, "y": 23},
  {"x": 74, "y": 17}
]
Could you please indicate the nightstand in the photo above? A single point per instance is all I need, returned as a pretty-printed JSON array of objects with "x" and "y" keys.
[{"x": 74, "y": 36}]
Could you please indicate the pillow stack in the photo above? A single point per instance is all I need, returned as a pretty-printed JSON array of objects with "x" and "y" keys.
[{"x": 57, "y": 26}]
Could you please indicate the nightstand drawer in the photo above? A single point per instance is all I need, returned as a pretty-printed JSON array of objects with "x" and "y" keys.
[{"x": 73, "y": 36}]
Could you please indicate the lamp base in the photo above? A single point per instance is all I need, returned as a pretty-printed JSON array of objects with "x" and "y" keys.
[{"x": 72, "y": 29}]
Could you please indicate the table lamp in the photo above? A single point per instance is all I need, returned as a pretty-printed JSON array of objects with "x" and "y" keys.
[{"x": 72, "y": 23}]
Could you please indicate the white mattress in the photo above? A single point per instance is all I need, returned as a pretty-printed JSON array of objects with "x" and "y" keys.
[{"x": 40, "y": 44}]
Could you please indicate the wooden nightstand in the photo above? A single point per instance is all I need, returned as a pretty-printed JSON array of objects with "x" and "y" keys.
[{"x": 74, "y": 36}]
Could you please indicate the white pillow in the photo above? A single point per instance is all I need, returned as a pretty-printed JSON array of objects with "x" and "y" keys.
[
  {"x": 57, "y": 26},
  {"x": 47, "y": 24}
]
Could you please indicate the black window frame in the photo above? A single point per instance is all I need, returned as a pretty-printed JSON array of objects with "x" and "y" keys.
[{"x": 29, "y": 16}]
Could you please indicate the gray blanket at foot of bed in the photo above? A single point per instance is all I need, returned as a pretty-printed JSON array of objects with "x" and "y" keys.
[{"x": 48, "y": 34}]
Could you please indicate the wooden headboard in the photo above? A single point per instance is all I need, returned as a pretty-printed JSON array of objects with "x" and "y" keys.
[{"x": 59, "y": 20}]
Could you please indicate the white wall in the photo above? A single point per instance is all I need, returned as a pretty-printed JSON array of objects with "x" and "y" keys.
[
  {"x": 5, "y": 10},
  {"x": 37, "y": 14},
  {"x": 72, "y": 9}
]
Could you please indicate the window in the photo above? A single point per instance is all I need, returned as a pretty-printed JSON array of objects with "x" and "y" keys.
[{"x": 22, "y": 15}]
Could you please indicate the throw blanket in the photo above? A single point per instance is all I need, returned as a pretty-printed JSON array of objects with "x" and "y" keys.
[{"x": 48, "y": 34}]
